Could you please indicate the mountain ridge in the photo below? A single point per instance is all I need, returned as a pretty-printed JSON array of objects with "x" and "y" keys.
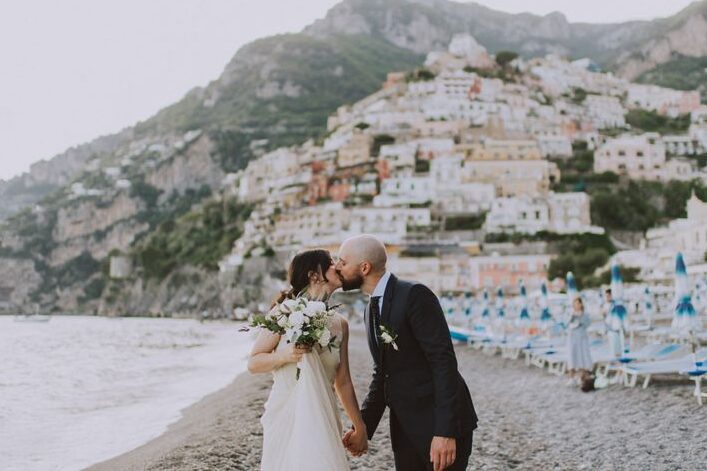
[{"x": 255, "y": 83}]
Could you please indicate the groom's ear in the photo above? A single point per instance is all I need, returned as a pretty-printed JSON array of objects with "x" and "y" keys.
[{"x": 365, "y": 268}]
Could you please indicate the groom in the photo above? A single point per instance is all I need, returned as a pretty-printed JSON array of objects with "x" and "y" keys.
[{"x": 431, "y": 414}]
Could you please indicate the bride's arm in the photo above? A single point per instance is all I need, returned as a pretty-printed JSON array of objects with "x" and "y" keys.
[
  {"x": 344, "y": 385},
  {"x": 264, "y": 358}
]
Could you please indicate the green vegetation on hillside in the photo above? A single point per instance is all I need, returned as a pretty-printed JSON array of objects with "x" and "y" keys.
[
  {"x": 681, "y": 73},
  {"x": 311, "y": 78},
  {"x": 650, "y": 121},
  {"x": 199, "y": 238},
  {"x": 581, "y": 254}
]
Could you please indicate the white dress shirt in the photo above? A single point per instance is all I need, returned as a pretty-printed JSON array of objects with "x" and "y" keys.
[{"x": 379, "y": 290}]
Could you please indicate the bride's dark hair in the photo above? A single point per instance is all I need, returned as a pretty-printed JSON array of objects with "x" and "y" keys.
[{"x": 304, "y": 263}]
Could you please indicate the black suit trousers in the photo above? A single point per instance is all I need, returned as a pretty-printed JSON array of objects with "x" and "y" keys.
[{"x": 407, "y": 456}]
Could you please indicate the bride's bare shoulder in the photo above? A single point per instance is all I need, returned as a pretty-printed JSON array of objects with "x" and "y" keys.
[{"x": 342, "y": 321}]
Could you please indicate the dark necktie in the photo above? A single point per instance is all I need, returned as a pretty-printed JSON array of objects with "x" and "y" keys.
[{"x": 374, "y": 319}]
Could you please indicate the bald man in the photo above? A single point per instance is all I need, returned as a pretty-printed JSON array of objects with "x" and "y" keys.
[{"x": 432, "y": 417}]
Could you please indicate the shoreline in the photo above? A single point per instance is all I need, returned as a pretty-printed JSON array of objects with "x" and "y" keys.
[{"x": 528, "y": 419}]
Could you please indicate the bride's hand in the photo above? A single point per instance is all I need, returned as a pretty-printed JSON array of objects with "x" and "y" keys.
[
  {"x": 356, "y": 441},
  {"x": 292, "y": 353}
]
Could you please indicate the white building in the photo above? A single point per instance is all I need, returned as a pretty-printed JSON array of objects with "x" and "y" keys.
[
  {"x": 391, "y": 225},
  {"x": 662, "y": 100},
  {"x": 309, "y": 225},
  {"x": 521, "y": 214},
  {"x": 556, "y": 145},
  {"x": 687, "y": 235},
  {"x": 562, "y": 213},
  {"x": 604, "y": 111},
  {"x": 640, "y": 157}
]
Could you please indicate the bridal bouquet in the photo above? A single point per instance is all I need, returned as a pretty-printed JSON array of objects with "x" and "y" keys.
[{"x": 300, "y": 321}]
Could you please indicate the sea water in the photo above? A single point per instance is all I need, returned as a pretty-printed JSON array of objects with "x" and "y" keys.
[{"x": 78, "y": 390}]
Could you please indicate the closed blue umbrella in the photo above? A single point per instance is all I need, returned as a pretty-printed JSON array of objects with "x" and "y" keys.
[
  {"x": 500, "y": 304},
  {"x": 524, "y": 313},
  {"x": 617, "y": 313},
  {"x": 571, "y": 287},
  {"x": 485, "y": 311},
  {"x": 685, "y": 318},
  {"x": 648, "y": 305},
  {"x": 467, "y": 304},
  {"x": 545, "y": 315}
]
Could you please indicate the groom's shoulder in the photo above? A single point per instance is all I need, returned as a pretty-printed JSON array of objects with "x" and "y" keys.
[{"x": 414, "y": 287}]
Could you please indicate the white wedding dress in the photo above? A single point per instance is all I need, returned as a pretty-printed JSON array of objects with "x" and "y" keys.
[{"x": 301, "y": 424}]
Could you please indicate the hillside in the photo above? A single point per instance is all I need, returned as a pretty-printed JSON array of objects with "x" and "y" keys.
[
  {"x": 265, "y": 92},
  {"x": 119, "y": 193}
]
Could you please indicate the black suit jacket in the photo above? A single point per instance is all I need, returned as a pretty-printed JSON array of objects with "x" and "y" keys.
[{"x": 420, "y": 381}]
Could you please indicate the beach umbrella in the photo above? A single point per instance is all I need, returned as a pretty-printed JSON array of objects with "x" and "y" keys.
[
  {"x": 545, "y": 315},
  {"x": 485, "y": 311},
  {"x": 571, "y": 287},
  {"x": 648, "y": 305},
  {"x": 618, "y": 310},
  {"x": 500, "y": 304},
  {"x": 617, "y": 313},
  {"x": 524, "y": 314},
  {"x": 467, "y": 304},
  {"x": 685, "y": 318}
]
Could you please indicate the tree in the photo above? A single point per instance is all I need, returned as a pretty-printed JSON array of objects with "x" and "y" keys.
[{"x": 503, "y": 58}]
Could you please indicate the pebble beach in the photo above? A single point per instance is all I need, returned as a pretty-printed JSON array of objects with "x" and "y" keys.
[{"x": 528, "y": 419}]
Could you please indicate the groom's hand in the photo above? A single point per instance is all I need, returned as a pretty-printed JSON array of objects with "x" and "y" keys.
[
  {"x": 443, "y": 452},
  {"x": 356, "y": 442}
]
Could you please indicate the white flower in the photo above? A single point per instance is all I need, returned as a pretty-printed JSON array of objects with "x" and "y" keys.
[
  {"x": 282, "y": 321},
  {"x": 388, "y": 338},
  {"x": 313, "y": 307},
  {"x": 325, "y": 338},
  {"x": 297, "y": 318},
  {"x": 292, "y": 334},
  {"x": 290, "y": 305},
  {"x": 273, "y": 313}
]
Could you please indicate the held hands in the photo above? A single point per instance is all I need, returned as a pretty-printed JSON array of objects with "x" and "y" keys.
[
  {"x": 356, "y": 441},
  {"x": 292, "y": 353},
  {"x": 443, "y": 452}
]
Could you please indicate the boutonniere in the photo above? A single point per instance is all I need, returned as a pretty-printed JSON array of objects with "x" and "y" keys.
[{"x": 388, "y": 337}]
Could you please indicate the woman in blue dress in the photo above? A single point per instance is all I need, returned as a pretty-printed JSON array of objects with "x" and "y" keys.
[{"x": 579, "y": 357}]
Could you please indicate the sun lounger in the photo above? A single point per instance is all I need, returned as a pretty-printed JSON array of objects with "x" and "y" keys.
[{"x": 633, "y": 371}]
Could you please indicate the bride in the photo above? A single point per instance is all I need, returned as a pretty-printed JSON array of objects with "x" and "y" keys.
[{"x": 301, "y": 425}]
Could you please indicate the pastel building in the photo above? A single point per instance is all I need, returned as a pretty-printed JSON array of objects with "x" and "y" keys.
[{"x": 508, "y": 270}]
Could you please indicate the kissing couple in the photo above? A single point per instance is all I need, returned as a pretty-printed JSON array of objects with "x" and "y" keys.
[{"x": 415, "y": 373}]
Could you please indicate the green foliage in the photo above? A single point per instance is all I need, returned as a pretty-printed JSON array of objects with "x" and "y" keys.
[
  {"x": 464, "y": 223},
  {"x": 580, "y": 254},
  {"x": 629, "y": 275},
  {"x": 641, "y": 205},
  {"x": 420, "y": 75},
  {"x": 681, "y": 73},
  {"x": 199, "y": 238},
  {"x": 75, "y": 270},
  {"x": 503, "y": 58},
  {"x": 146, "y": 192},
  {"x": 579, "y": 95},
  {"x": 233, "y": 148},
  {"x": 93, "y": 289},
  {"x": 650, "y": 121},
  {"x": 625, "y": 208},
  {"x": 176, "y": 205},
  {"x": 326, "y": 73}
]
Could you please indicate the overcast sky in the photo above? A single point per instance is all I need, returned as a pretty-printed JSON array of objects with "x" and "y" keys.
[{"x": 72, "y": 70}]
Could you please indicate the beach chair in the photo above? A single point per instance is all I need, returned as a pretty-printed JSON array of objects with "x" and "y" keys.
[
  {"x": 650, "y": 352},
  {"x": 648, "y": 369}
]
